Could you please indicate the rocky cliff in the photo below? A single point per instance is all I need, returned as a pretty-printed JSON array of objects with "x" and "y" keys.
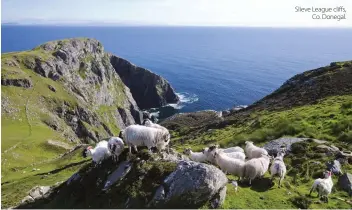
[
  {"x": 148, "y": 89},
  {"x": 98, "y": 84}
]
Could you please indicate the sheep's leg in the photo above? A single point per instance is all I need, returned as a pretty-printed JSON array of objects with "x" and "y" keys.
[
  {"x": 135, "y": 148},
  {"x": 250, "y": 181},
  {"x": 130, "y": 149},
  {"x": 239, "y": 178},
  {"x": 280, "y": 180},
  {"x": 311, "y": 190}
]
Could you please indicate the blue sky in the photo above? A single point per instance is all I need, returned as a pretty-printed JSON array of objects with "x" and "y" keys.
[{"x": 272, "y": 13}]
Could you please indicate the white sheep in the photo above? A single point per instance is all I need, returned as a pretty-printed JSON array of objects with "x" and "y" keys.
[
  {"x": 149, "y": 123},
  {"x": 99, "y": 153},
  {"x": 232, "y": 149},
  {"x": 253, "y": 151},
  {"x": 229, "y": 165},
  {"x": 116, "y": 146},
  {"x": 138, "y": 135},
  {"x": 256, "y": 167},
  {"x": 209, "y": 153},
  {"x": 278, "y": 167},
  {"x": 323, "y": 186},
  {"x": 196, "y": 156},
  {"x": 228, "y": 150}
]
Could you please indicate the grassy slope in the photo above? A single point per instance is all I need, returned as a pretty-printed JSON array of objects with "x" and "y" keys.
[
  {"x": 24, "y": 132},
  {"x": 324, "y": 120}
]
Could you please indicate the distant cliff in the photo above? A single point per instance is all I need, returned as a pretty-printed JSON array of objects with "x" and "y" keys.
[
  {"x": 148, "y": 89},
  {"x": 74, "y": 87}
]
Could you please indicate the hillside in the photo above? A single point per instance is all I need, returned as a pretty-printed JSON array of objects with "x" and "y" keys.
[
  {"x": 63, "y": 95},
  {"x": 67, "y": 93}
]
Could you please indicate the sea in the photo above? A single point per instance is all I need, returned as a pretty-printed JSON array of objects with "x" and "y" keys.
[{"x": 213, "y": 68}]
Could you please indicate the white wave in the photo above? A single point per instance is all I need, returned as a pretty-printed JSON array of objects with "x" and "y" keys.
[{"x": 185, "y": 98}]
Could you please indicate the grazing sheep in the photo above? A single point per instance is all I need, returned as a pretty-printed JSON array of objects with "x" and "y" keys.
[
  {"x": 150, "y": 123},
  {"x": 278, "y": 167},
  {"x": 256, "y": 167},
  {"x": 228, "y": 150},
  {"x": 209, "y": 153},
  {"x": 116, "y": 146},
  {"x": 99, "y": 153},
  {"x": 229, "y": 165},
  {"x": 323, "y": 186},
  {"x": 196, "y": 156},
  {"x": 253, "y": 151},
  {"x": 138, "y": 135},
  {"x": 232, "y": 149}
]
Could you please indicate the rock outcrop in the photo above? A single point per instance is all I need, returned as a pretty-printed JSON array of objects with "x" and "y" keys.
[
  {"x": 191, "y": 185},
  {"x": 148, "y": 89},
  {"x": 92, "y": 94},
  {"x": 144, "y": 181}
]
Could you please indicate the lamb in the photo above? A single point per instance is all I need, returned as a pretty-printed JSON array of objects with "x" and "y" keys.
[
  {"x": 138, "y": 135},
  {"x": 323, "y": 186},
  {"x": 99, "y": 153},
  {"x": 256, "y": 167},
  {"x": 229, "y": 165},
  {"x": 116, "y": 146},
  {"x": 253, "y": 151},
  {"x": 196, "y": 156},
  {"x": 209, "y": 153},
  {"x": 278, "y": 167}
]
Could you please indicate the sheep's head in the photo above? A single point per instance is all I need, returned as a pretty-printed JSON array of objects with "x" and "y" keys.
[
  {"x": 187, "y": 151},
  {"x": 213, "y": 147},
  {"x": 248, "y": 143},
  {"x": 121, "y": 134},
  {"x": 86, "y": 151},
  {"x": 216, "y": 154},
  {"x": 327, "y": 174},
  {"x": 147, "y": 122}
]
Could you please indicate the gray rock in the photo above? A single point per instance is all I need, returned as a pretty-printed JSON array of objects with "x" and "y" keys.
[
  {"x": 118, "y": 174},
  {"x": 23, "y": 82},
  {"x": 148, "y": 89},
  {"x": 327, "y": 149},
  {"x": 190, "y": 186},
  {"x": 274, "y": 146},
  {"x": 334, "y": 166},
  {"x": 345, "y": 182}
]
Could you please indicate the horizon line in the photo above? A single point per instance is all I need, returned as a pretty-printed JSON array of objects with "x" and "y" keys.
[{"x": 160, "y": 25}]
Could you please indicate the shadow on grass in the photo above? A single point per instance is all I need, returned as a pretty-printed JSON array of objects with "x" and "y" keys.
[{"x": 63, "y": 168}]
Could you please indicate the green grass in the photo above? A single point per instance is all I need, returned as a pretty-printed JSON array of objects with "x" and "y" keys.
[{"x": 330, "y": 119}]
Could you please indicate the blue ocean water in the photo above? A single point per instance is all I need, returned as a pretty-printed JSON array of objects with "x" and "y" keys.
[{"x": 211, "y": 67}]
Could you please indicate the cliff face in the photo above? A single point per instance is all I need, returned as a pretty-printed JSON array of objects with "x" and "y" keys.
[
  {"x": 68, "y": 92},
  {"x": 148, "y": 89}
]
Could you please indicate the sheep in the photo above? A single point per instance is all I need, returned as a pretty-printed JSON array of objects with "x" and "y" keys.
[
  {"x": 138, "y": 135},
  {"x": 229, "y": 165},
  {"x": 278, "y": 167},
  {"x": 253, "y": 151},
  {"x": 323, "y": 186},
  {"x": 209, "y": 153},
  {"x": 196, "y": 156},
  {"x": 116, "y": 146},
  {"x": 256, "y": 167},
  {"x": 228, "y": 150},
  {"x": 99, "y": 153},
  {"x": 149, "y": 123}
]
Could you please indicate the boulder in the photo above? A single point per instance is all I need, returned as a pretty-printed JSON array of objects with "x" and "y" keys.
[
  {"x": 334, "y": 166},
  {"x": 274, "y": 146},
  {"x": 191, "y": 185},
  {"x": 345, "y": 182},
  {"x": 23, "y": 82}
]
